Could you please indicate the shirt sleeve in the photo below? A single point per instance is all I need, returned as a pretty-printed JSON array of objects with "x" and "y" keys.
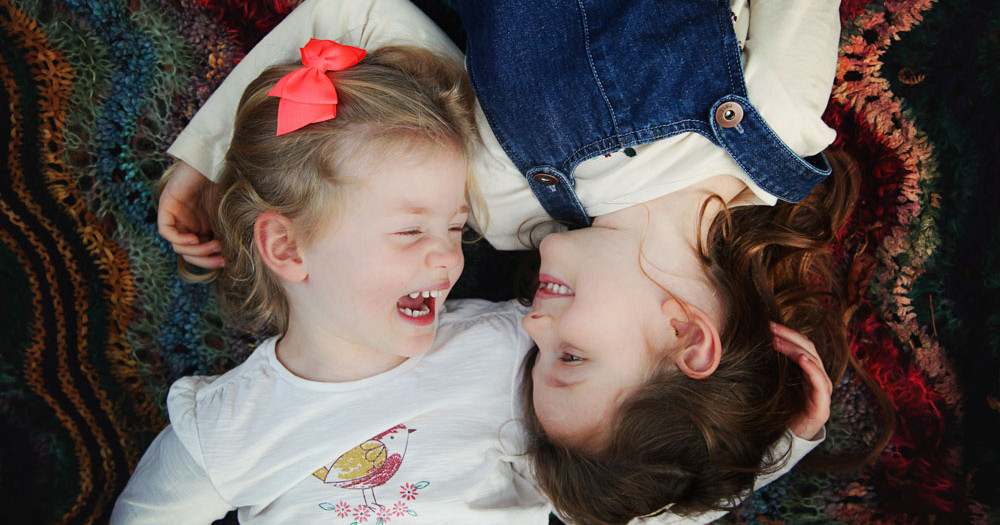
[
  {"x": 168, "y": 486},
  {"x": 793, "y": 449},
  {"x": 368, "y": 24},
  {"x": 790, "y": 447},
  {"x": 790, "y": 64}
]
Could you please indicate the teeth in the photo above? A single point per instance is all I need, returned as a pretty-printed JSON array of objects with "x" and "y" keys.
[
  {"x": 427, "y": 293},
  {"x": 557, "y": 289},
  {"x": 416, "y": 313}
]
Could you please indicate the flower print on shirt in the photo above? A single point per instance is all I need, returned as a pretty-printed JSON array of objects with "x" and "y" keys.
[{"x": 366, "y": 467}]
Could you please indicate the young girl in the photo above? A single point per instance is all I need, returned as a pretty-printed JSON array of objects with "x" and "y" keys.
[
  {"x": 676, "y": 395},
  {"x": 659, "y": 285},
  {"x": 343, "y": 238}
]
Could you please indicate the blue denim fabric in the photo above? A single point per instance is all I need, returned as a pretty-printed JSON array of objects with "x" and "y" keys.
[{"x": 562, "y": 81}]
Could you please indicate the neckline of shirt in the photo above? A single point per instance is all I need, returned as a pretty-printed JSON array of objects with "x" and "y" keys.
[{"x": 269, "y": 347}]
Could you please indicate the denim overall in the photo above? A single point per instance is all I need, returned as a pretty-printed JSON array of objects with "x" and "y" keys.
[{"x": 562, "y": 81}]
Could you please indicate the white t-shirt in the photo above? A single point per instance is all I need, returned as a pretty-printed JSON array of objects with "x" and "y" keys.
[
  {"x": 435, "y": 440},
  {"x": 789, "y": 57}
]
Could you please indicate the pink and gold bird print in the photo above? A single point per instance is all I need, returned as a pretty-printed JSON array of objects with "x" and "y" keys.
[{"x": 370, "y": 464}]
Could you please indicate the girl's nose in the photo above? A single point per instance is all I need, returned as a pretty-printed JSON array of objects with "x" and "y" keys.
[
  {"x": 444, "y": 254},
  {"x": 535, "y": 323}
]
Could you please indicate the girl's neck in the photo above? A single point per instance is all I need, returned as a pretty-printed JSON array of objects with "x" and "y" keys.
[
  {"x": 684, "y": 215},
  {"x": 324, "y": 357},
  {"x": 667, "y": 230}
]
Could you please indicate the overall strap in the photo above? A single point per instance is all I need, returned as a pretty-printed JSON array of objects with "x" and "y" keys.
[{"x": 562, "y": 81}]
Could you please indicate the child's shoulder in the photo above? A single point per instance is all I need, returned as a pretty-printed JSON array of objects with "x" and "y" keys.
[
  {"x": 189, "y": 391},
  {"x": 202, "y": 406}
]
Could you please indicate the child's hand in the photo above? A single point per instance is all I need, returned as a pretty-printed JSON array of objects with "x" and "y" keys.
[
  {"x": 818, "y": 388},
  {"x": 182, "y": 219}
]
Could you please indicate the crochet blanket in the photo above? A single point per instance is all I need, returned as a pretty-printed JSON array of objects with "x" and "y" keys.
[{"x": 96, "y": 324}]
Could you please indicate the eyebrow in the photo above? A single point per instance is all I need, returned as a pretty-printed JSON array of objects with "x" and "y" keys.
[{"x": 423, "y": 210}]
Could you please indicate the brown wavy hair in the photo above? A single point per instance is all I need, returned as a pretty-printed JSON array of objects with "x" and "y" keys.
[
  {"x": 698, "y": 444},
  {"x": 397, "y": 99}
]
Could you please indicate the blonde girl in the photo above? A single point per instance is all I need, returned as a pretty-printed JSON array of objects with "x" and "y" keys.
[{"x": 340, "y": 212}]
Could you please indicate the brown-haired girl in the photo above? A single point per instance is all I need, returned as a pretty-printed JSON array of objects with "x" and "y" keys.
[{"x": 638, "y": 403}]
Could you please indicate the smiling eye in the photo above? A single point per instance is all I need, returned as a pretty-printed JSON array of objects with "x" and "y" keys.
[
  {"x": 461, "y": 229},
  {"x": 570, "y": 358},
  {"x": 409, "y": 232}
]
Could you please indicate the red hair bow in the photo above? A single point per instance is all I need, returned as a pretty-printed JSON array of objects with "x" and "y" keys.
[{"x": 307, "y": 94}]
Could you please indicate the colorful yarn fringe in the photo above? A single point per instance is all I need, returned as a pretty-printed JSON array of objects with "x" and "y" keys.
[
  {"x": 97, "y": 325},
  {"x": 903, "y": 109}
]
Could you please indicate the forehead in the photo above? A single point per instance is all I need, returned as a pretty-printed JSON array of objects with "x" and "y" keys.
[
  {"x": 423, "y": 180},
  {"x": 389, "y": 150},
  {"x": 413, "y": 179}
]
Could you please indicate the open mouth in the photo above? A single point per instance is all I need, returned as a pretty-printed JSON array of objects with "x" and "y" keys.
[
  {"x": 419, "y": 307},
  {"x": 549, "y": 286}
]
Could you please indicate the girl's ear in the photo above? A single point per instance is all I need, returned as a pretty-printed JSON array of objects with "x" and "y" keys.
[
  {"x": 276, "y": 240},
  {"x": 699, "y": 347}
]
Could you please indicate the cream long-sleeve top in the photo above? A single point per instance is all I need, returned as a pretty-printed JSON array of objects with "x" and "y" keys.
[{"x": 789, "y": 57}]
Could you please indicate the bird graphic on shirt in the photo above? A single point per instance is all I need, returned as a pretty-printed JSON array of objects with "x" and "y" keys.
[{"x": 370, "y": 464}]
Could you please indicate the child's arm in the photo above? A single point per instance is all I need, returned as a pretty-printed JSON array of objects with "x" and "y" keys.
[
  {"x": 168, "y": 487},
  {"x": 819, "y": 387},
  {"x": 368, "y": 24},
  {"x": 182, "y": 218},
  {"x": 202, "y": 146},
  {"x": 796, "y": 447},
  {"x": 805, "y": 433},
  {"x": 790, "y": 64}
]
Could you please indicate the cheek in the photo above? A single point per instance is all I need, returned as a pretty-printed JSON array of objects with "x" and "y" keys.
[
  {"x": 383, "y": 269},
  {"x": 361, "y": 283},
  {"x": 609, "y": 327},
  {"x": 549, "y": 411},
  {"x": 589, "y": 324}
]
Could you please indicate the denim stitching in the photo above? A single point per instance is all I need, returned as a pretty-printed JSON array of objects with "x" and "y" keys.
[
  {"x": 796, "y": 161},
  {"x": 723, "y": 47},
  {"x": 564, "y": 183},
  {"x": 593, "y": 69},
  {"x": 781, "y": 143},
  {"x": 497, "y": 132},
  {"x": 725, "y": 29}
]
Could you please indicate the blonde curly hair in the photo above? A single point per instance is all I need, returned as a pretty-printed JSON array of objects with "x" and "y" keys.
[{"x": 395, "y": 99}]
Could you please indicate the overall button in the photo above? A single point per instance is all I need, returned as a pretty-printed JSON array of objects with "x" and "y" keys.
[
  {"x": 729, "y": 115},
  {"x": 545, "y": 179}
]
